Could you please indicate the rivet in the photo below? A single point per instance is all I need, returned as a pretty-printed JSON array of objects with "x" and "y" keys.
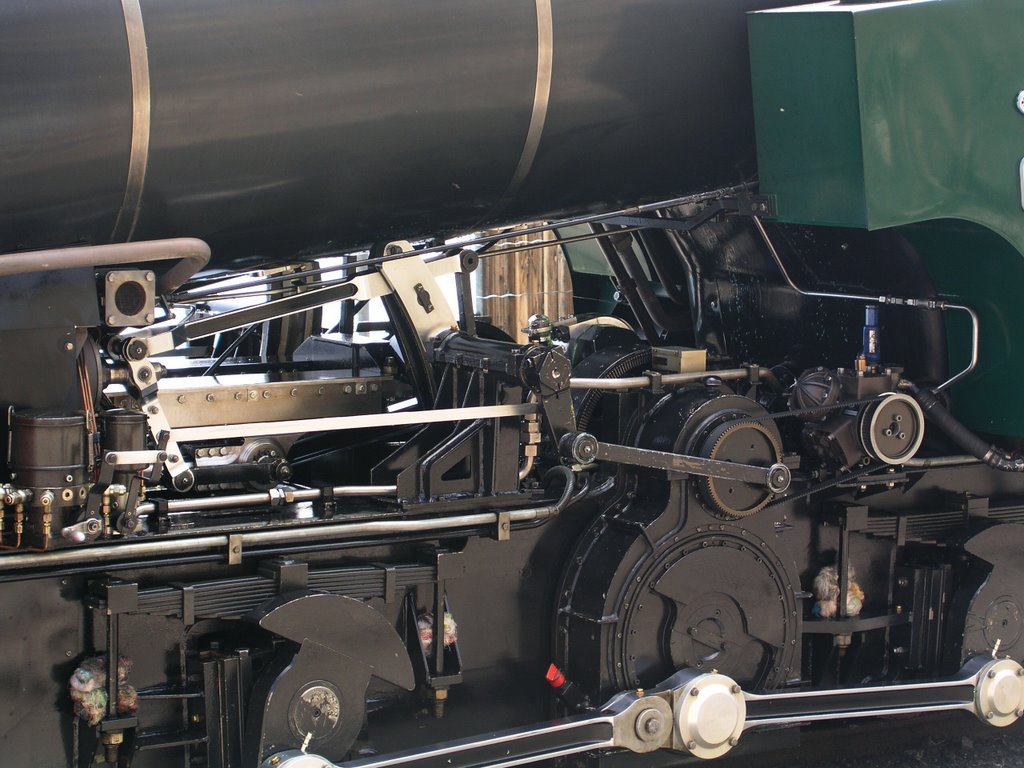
[
  {"x": 695, "y": 691},
  {"x": 691, "y": 745},
  {"x": 733, "y": 741}
]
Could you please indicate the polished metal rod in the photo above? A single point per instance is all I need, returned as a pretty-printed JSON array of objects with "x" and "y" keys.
[
  {"x": 640, "y": 382},
  {"x": 898, "y": 301}
]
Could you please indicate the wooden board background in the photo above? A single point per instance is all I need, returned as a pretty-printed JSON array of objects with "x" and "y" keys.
[{"x": 515, "y": 286}]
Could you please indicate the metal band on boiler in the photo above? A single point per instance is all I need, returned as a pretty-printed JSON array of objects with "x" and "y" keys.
[
  {"x": 138, "y": 56},
  {"x": 541, "y": 98}
]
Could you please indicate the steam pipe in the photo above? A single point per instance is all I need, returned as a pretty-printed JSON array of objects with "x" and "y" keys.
[
  {"x": 190, "y": 254},
  {"x": 890, "y": 300},
  {"x": 641, "y": 382},
  {"x": 332, "y": 531}
]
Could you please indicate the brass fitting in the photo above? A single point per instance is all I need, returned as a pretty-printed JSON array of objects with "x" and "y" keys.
[
  {"x": 111, "y": 741},
  {"x": 439, "y": 696},
  {"x": 112, "y": 490}
]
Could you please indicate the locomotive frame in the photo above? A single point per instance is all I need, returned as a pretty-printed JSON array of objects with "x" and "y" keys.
[{"x": 767, "y": 475}]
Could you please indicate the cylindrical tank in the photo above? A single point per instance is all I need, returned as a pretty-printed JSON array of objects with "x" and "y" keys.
[
  {"x": 269, "y": 127},
  {"x": 48, "y": 449}
]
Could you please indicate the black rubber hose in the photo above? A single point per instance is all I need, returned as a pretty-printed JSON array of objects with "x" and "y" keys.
[{"x": 937, "y": 413}]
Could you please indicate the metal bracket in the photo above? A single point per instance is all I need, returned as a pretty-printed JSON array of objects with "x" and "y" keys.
[
  {"x": 124, "y": 458},
  {"x": 504, "y": 526},
  {"x": 235, "y": 549}
]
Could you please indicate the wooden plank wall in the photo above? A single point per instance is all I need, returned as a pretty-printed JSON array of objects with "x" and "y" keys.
[{"x": 515, "y": 286}]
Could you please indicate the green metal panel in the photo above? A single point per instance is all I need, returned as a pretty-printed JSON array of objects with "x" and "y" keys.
[{"x": 903, "y": 114}]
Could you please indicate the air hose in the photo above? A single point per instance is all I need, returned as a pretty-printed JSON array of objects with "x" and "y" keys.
[{"x": 939, "y": 415}]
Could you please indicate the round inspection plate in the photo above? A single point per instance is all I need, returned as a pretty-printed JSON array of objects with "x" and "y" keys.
[
  {"x": 710, "y": 714},
  {"x": 999, "y": 695}
]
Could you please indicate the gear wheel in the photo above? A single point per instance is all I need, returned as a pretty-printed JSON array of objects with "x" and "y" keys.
[{"x": 743, "y": 442}]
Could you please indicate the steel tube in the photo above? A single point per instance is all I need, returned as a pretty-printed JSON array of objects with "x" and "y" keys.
[
  {"x": 641, "y": 382},
  {"x": 886, "y": 300},
  {"x": 269, "y": 497},
  {"x": 190, "y": 254},
  {"x": 329, "y": 531}
]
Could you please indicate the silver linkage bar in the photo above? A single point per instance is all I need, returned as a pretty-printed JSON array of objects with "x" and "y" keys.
[{"x": 705, "y": 714}]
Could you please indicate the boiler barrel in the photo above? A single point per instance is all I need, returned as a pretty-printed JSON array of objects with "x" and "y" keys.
[{"x": 270, "y": 127}]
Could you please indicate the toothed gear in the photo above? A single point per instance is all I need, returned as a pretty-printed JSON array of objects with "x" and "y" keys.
[{"x": 743, "y": 442}]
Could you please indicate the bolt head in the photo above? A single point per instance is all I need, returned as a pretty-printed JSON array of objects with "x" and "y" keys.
[
  {"x": 1020, "y": 102},
  {"x": 733, "y": 741},
  {"x": 737, "y": 689},
  {"x": 691, "y": 745},
  {"x": 989, "y": 715},
  {"x": 695, "y": 691},
  {"x": 69, "y": 347}
]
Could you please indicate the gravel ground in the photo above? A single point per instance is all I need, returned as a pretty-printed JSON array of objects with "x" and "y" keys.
[{"x": 943, "y": 743}]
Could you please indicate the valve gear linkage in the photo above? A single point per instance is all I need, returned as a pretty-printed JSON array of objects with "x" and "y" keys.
[{"x": 705, "y": 714}]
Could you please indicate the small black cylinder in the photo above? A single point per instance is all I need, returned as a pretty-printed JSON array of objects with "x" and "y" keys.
[
  {"x": 48, "y": 449},
  {"x": 123, "y": 430}
]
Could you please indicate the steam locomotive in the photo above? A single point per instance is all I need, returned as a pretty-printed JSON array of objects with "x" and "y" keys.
[{"x": 275, "y": 496}]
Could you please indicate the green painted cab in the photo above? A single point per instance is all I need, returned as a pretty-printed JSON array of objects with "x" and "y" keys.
[{"x": 905, "y": 114}]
